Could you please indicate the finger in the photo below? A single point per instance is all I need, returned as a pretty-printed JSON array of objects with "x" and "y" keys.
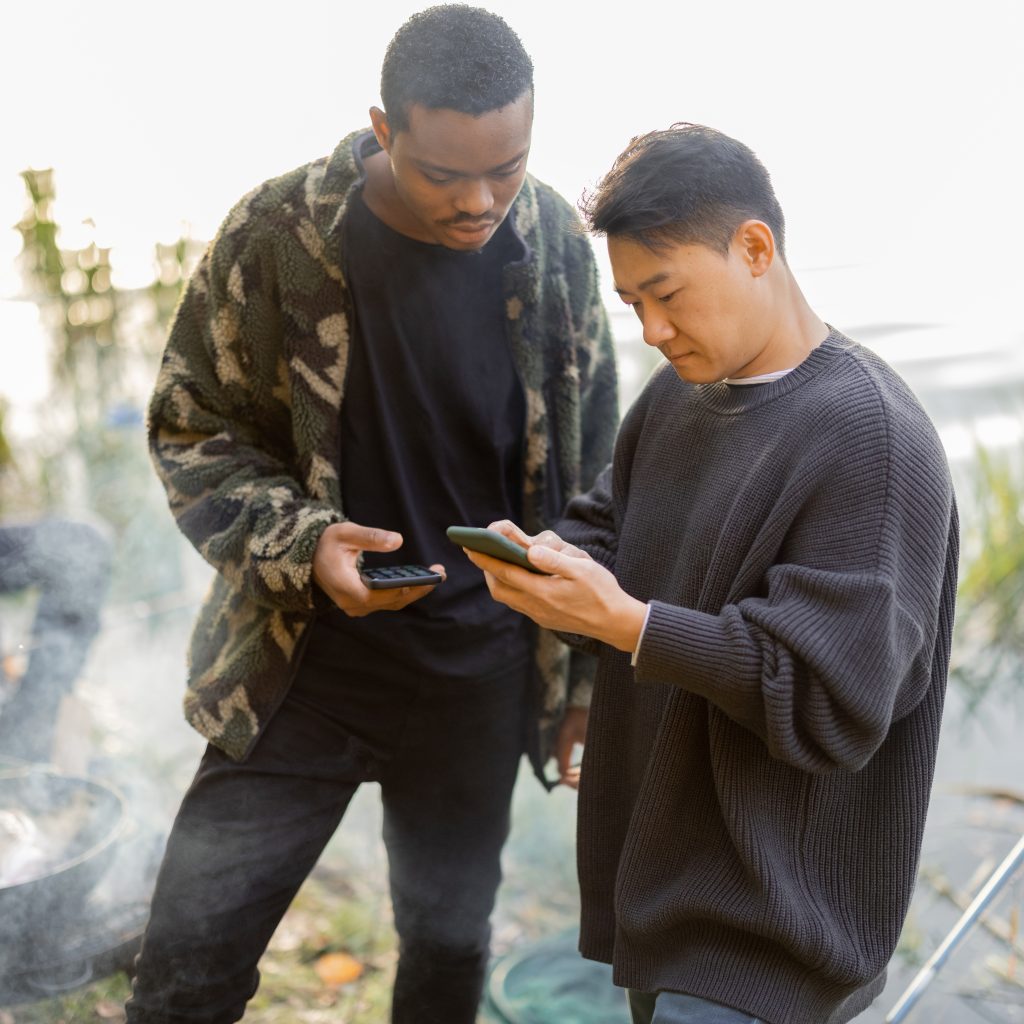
[
  {"x": 369, "y": 538},
  {"x": 571, "y": 778},
  {"x": 509, "y": 529},
  {"x": 501, "y": 571},
  {"x": 575, "y": 552},
  {"x": 406, "y": 595},
  {"x": 550, "y": 539},
  {"x": 558, "y": 563},
  {"x": 440, "y": 569},
  {"x": 563, "y": 755}
]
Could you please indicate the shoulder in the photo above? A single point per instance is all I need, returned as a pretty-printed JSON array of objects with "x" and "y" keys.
[
  {"x": 554, "y": 206},
  {"x": 864, "y": 392},
  {"x": 555, "y": 226},
  {"x": 298, "y": 201},
  {"x": 865, "y": 417},
  {"x": 271, "y": 203}
]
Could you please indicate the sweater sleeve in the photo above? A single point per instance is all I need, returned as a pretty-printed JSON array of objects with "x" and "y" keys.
[
  {"x": 589, "y": 521},
  {"x": 843, "y": 637},
  {"x": 219, "y": 427}
]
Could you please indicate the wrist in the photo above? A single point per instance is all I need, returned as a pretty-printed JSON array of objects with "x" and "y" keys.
[{"x": 627, "y": 625}]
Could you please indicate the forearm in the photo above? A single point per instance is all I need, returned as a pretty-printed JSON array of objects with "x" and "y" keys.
[
  {"x": 229, "y": 482},
  {"x": 818, "y": 687}
]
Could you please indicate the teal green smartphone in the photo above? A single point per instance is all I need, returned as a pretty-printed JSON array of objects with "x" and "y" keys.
[{"x": 490, "y": 542}]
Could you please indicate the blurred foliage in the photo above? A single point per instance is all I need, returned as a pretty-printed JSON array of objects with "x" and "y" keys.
[
  {"x": 89, "y": 457},
  {"x": 988, "y": 648},
  {"x": 6, "y": 455}
]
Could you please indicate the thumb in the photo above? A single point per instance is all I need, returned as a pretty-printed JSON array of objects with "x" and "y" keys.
[
  {"x": 551, "y": 561},
  {"x": 369, "y": 538}
]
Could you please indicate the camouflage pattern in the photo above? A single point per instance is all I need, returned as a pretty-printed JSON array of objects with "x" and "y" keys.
[{"x": 244, "y": 426}]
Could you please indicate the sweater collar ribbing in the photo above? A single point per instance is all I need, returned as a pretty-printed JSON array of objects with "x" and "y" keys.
[{"x": 721, "y": 397}]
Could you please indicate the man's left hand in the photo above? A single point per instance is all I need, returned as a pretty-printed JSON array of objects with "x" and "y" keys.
[{"x": 571, "y": 732}]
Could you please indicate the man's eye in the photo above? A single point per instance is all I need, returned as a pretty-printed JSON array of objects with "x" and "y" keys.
[
  {"x": 669, "y": 297},
  {"x": 435, "y": 180}
]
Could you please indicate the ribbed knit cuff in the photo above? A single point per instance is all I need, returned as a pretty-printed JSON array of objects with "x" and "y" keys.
[
  {"x": 700, "y": 653},
  {"x": 640, "y": 640}
]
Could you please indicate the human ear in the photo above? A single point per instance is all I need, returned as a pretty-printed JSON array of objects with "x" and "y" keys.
[
  {"x": 381, "y": 128},
  {"x": 757, "y": 246}
]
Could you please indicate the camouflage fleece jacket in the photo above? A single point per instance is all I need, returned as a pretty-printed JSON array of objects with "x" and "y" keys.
[{"x": 244, "y": 427}]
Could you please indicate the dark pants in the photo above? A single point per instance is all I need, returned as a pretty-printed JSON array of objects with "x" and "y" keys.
[
  {"x": 676, "y": 1008},
  {"x": 69, "y": 564},
  {"x": 445, "y": 753}
]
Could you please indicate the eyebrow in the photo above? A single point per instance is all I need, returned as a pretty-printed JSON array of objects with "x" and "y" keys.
[
  {"x": 645, "y": 284},
  {"x": 451, "y": 172}
]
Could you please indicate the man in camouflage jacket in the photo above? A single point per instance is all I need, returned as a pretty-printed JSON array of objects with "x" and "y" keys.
[{"x": 245, "y": 428}]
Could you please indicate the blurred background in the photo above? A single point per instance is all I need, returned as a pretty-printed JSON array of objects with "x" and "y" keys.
[{"x": 893, "y": 133}]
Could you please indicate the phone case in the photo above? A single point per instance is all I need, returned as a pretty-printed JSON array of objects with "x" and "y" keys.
[{"x": 489, "y": 542}]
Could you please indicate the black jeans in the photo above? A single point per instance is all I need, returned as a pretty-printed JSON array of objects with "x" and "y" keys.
[
  {"x": 69, "y": 563},
  {"x": 445, "y": 753}
]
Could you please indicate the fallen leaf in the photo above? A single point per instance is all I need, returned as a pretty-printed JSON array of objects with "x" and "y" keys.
[{"x": 338, "y": 968}]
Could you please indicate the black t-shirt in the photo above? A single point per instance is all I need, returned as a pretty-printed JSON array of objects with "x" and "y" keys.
[{"x": 432, "y": 429}]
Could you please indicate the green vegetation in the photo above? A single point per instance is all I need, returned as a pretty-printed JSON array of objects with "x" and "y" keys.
[
  {"x": 988, "y": 648},
  {"x": 88, "y": 457}
]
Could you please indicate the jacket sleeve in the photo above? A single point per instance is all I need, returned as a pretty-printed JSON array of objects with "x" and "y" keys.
[
  {"x": 599, "y": 420},
  {"x": 851, "y": 625},
  {"x": 219, "y": 426}
]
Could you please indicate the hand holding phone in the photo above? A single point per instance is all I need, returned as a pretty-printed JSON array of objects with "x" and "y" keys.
[
  {"x": 490, "y": 542},
  {"x": 336, "y": 570}
]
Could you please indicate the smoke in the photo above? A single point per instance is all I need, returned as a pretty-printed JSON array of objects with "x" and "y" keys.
[{"x": 94, "y": 754}]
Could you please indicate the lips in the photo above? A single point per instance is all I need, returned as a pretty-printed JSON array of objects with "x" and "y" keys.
[{"x": 474, "y": 229}]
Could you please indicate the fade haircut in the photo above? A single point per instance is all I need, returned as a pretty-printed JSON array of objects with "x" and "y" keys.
[
  {"x": 685, "y": 185},
  {"x": 453, "y": 57}
]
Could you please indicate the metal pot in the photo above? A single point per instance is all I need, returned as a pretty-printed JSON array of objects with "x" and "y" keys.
[{"x": 51, "y": 894}]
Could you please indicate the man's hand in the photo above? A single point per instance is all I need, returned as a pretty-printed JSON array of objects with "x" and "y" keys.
[
  {"x": 335, "y": 569},
  {"x": 580, "y": 596},
  {"x": 573, "y": 730}
]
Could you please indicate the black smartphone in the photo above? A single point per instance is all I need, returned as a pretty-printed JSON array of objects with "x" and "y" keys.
[
  {"x": 490, "y": 542},
  {"x": 389, "y": 576}
]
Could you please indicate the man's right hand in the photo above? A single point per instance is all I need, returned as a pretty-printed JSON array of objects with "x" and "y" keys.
[{"x": 336, "y": 571}]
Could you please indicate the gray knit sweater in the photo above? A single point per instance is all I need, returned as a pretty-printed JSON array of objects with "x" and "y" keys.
[{"x": 754, "y": 792}]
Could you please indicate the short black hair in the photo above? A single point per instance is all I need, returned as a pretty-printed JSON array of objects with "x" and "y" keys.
[
  {"x": 687, "y": 184},
  {"x": 453, "y": 57}
]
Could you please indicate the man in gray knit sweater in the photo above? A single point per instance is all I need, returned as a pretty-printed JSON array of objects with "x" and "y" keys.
[{"x": 768, "y": 573}]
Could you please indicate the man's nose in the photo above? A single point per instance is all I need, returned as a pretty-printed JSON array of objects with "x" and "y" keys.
[
  {"x": 474, "y": 198},
  {"x": 657, "y": 328}
]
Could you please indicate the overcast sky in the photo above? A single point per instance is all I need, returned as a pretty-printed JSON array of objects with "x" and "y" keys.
[{"x": 892, "y": 129}]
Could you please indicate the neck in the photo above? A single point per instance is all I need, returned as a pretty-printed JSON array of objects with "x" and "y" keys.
[
  {"x": 381, "y": 196},
  {"x": 797, "y": 329}
]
